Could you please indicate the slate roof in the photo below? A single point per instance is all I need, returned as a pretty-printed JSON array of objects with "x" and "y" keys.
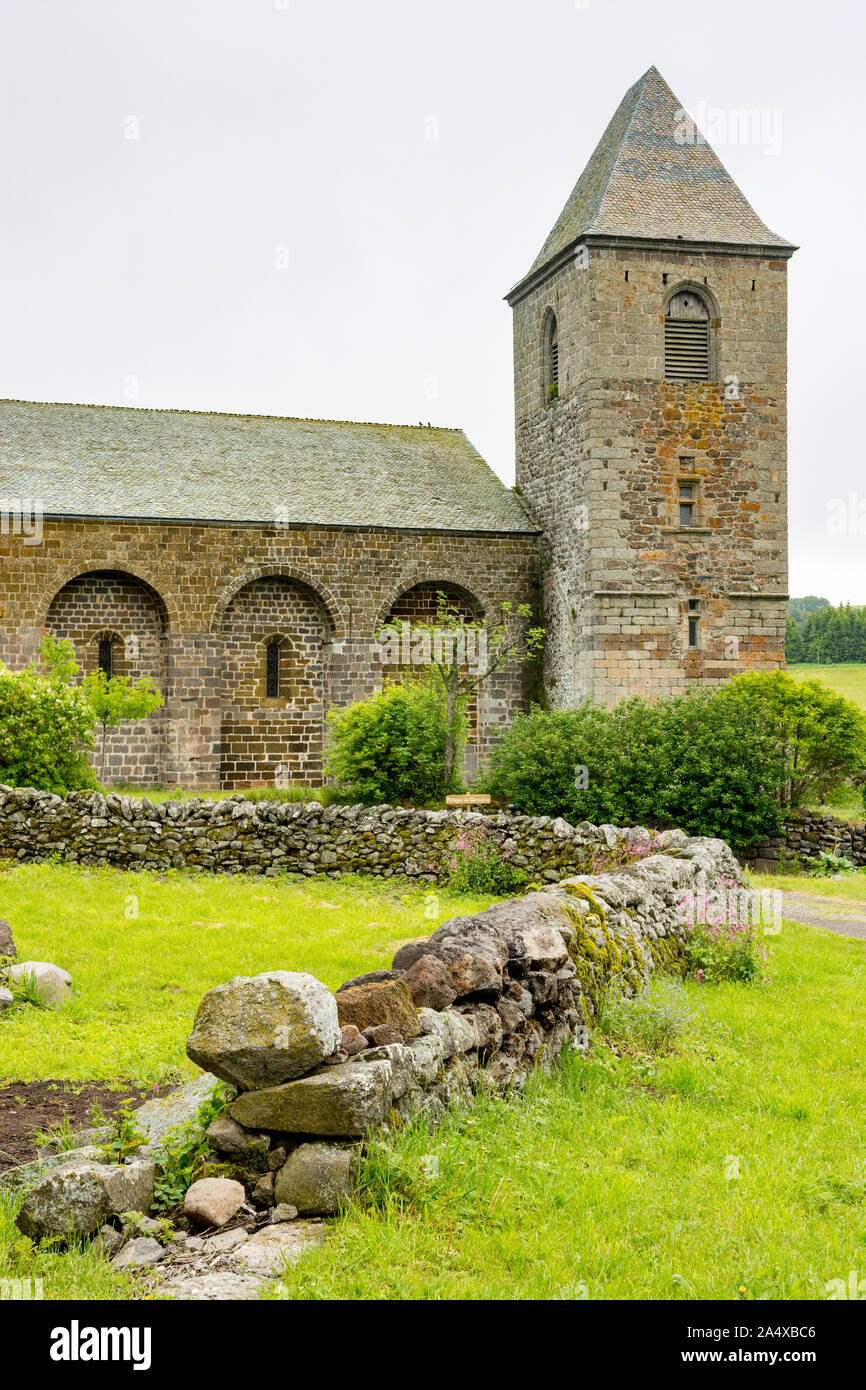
[
  {"x": 125, "y": 462},
  {"x": 643, "y": 181}
]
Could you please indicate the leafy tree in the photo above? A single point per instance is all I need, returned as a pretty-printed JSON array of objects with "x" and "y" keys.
[
  {"x": 820, "y": 737},
  {"x": 46, "y": 728},
  {"x": 391, "y": 747},
  {"x": 462, "y": 654},
  {"x": 793, "y": 641},
  {"x": 116, "y": 699}
]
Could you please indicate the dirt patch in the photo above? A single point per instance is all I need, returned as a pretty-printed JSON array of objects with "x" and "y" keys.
[{"x": 29, "y": 1105}]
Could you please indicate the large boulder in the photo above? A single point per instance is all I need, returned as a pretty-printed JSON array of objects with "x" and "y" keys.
[
  {"x": 262, "y": 1030},
  {"x": 376, "y": 1003},
  {"x": 156, "y": 1117},
  {"x": 7, "y": 943},
  {"x": 213, "y": 1201},
  {"x": 316, "y": 1178},
  {"x": 344, "y": 1100},
  {"x": 76, "y": 1198}
]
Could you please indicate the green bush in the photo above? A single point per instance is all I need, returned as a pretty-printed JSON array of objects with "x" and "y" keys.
[
  {"x": 45, "y": 729},
  {"x": 819, "y": 736},
  {"x": 699, "y": 761},
  {"x": 391, "y": 748}
]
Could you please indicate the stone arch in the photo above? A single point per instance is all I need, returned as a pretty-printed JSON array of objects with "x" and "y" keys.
[
  {"x": 267, "y": 737},
  {"x": 465, "y": 586},
  {"x": 549, "y": 354},
  {"x": 332, "y": 608},
  {"x": 145, "y": 577},
  {"x": 106, "y": 604}
]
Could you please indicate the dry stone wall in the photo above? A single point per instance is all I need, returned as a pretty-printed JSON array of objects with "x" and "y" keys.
[
  {"x": 312, "y": 1075},
  {"x": 237, "y": 835},
  {"x": 806, "y": 834}
]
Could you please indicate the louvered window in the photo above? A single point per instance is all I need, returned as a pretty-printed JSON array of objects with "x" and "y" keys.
[
  {"x": 273, "y": 673},
  {"x": 104, "y": 656},
  {"x": 687, "y": 338}
]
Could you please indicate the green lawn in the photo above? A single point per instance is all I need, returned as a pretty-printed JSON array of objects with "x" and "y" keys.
[
  {"x": 848, "y": 678},
  {"x": 730, "y": 1168}
]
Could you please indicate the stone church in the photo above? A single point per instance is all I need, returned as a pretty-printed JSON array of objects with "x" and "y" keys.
[{"x": 247, "y": 563}]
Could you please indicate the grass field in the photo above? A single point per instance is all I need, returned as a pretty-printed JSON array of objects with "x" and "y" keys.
[
  {"x": 728, "y": 1168},
  {"x": 848, "y": 678}
]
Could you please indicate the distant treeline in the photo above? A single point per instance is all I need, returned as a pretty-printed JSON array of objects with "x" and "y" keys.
[{"x": 818, "y": 632}]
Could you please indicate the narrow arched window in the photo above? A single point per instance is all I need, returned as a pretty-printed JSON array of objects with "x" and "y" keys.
[
  {"x": 687, "y": 338},
  {"x": 105, "y": 656},
  {"x": 551, "y": 357},
  {"x": 273, "y": 670}
]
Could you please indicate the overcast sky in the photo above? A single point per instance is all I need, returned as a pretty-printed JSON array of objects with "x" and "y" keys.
[{"x": 314, "y": 207}]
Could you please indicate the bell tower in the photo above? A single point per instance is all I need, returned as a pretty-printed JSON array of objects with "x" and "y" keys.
[{"x": 650, "y": 367}]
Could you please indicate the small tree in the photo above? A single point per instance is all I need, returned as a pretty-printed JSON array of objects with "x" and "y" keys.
[
  {"x": 116, "y": 699},
  {"x": 391, "y": 746},
  {"x": 45, "y": 729},
  {"x": 821, "y": 736},
  {"x": 463, "y": 653}
]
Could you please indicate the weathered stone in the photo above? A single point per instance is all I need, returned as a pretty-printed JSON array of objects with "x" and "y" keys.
[
  {"x": 204, "y": 1284},
  {"x": 225, "y": 1241},
  {"x": 353, "y": 1039},
  {"x": 283, "y": 1211},
  {"x": 534, "y": 928},
  {"x": 372, "y": 977},
  {"x": 487, "y": 1024},
  {"x": 262, "y": 1030},
  {"x": 76, "y": 1198},
  {"x": 383, "y": 1035},
  {"x": 409, "y": 953},
  {"x": 428, "y": 1054},
  {"x": 158, "y": 1116},
  {"x": 7, "y": 943},
  {"x": 213, "y": 1201},
  {"x": 316, "y": 1178},
  {"x": 107, "y": 1241},
  {"x": 25, "y": 1175},
  {"x": 370, "y": 1005},
  {"x": 472, "y": 975},
  {"x": 6, "y": 998},
  {"x": 263, "y": 1192},
  {"x": 228, "y": 1137},
  {"x": 455, "y": 1032},
  {"x": 402, "y": 1065},
  {"x": 144, "y": 1250},
  {"x": 52, "y": 984},
  {"x": 345, "y": 1101},
  {"x": 510, "y": 1014},
  {"x": 269, "y": 1251},
  {"x": 430, "y": 983},
  {"x": 276, "y": 1159}
]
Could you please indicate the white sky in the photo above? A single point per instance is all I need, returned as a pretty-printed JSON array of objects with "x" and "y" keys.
[{"x": 297, "y": 133}]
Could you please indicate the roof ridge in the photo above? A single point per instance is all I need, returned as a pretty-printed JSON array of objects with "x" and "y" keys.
[{"x": 229, "y": 414}]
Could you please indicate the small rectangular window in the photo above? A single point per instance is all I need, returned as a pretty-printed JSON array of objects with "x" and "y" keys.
[
  {"x": 273, "y": 678},
  {"x": 105, "y": 655},
  {"x": 687, "y": 504},
  {"x": 694, "y": 632}
]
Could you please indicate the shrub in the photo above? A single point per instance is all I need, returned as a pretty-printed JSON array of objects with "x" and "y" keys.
[
  {"x": 45, "y": 729},
  {"x": 819, "y": 736},
  {"x": 700, "y": 761},
  {"x": 481, "y": 863},
  {"x": 391, "y": 748},
  {"x": 828, "y": 865},
  {"x": 182, "y": 1155}
]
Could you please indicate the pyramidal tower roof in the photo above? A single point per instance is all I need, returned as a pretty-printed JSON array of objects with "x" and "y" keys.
[{"x": 652, "y": 176}]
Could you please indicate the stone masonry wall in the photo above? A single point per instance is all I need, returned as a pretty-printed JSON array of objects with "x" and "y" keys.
[
  {"x": 600, "y": 466},
  {"x": 191, "y": 581},
  {"x": 237, "y": 835},
  {"x": 806, "y": 833}
]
